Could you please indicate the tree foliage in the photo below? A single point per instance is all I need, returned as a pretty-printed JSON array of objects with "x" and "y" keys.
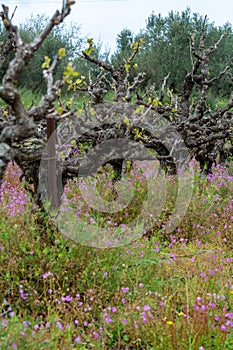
[{"x": 167, "y": 50}]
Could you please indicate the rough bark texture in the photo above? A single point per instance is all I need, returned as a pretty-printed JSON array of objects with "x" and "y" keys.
[{"x": 21, "y": 126}]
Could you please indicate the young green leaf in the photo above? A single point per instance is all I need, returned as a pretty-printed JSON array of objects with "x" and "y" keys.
[
  {"x": 46, "y": 63},
  {"x": 62, "y": 52}
]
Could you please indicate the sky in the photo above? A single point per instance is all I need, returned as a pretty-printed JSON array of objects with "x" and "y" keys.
[{"x": 104, "y": 19}]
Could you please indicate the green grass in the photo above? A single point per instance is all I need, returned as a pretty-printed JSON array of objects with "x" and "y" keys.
[{"x": 29, "y": 97}]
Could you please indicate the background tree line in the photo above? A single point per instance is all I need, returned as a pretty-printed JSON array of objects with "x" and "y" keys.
[{"x": 165, "y": 50}]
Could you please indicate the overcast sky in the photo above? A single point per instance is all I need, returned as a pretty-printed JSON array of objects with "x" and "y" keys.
[{"x": 104, "y": 19}]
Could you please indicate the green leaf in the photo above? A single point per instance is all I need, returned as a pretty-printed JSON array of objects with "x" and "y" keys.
[
  {"x": 60, "y": 110},
  {"x": 90, "y": 41},
  {"x": 90, "y": 47},
  {"x": 46, "y": 62},
  {"x": 126, "y": 121},
  {"x": 62, "y": 52},
  {"x": 127, "y": 67}
]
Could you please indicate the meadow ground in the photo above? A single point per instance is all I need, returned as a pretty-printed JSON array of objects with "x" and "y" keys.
[{"x": 161, "y": 291}]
